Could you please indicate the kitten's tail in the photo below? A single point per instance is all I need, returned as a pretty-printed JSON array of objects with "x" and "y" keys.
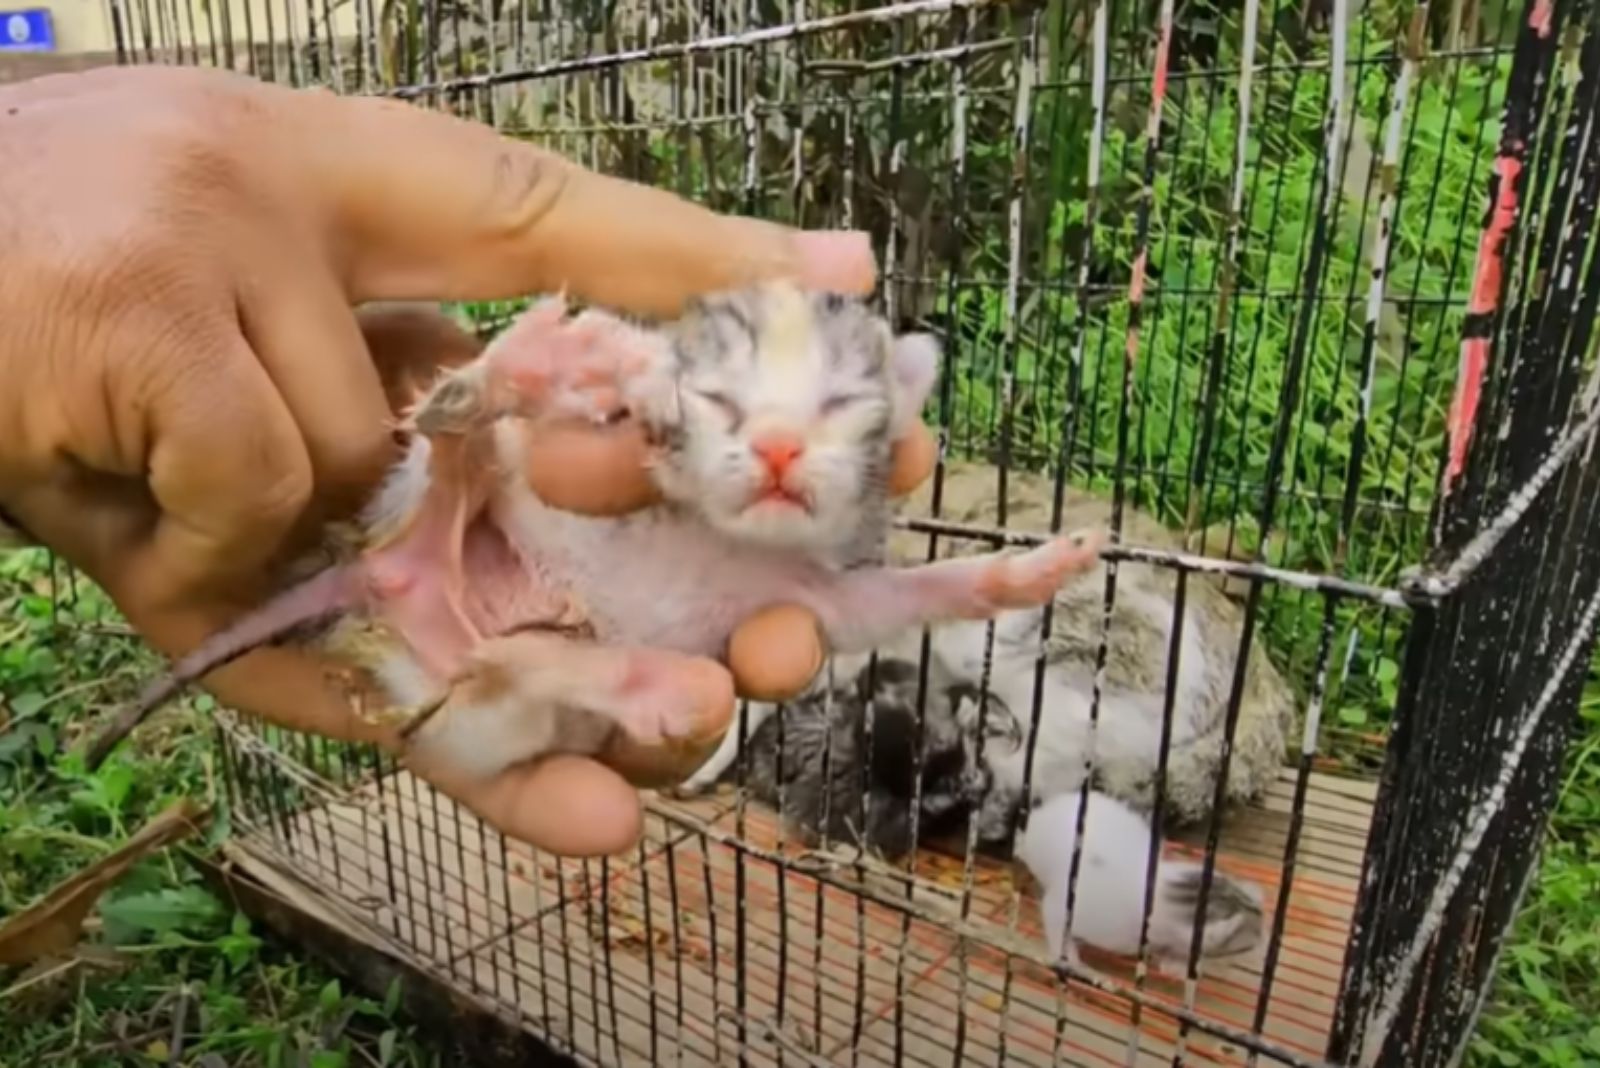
[
  {"x": 1234, "y": 908},
  {"x": 331, "y": 590}
]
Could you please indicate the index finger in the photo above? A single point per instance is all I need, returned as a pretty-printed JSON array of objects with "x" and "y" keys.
[{"x": 428, "y": 206}]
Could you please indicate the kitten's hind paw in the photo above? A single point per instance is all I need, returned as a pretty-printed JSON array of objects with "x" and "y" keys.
[
  {"x": 665, "y": 697},
  {"x": 1031, "y": 579},
  {"x": 702, "y": 782},
  {"x": 1174, "y": 966},
  {"x": 585, "y": 367},
  {"x": 456, "y": 404},
  {"x": 530, "y": 693}
]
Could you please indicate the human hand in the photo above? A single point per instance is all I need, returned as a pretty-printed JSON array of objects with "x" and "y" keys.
[{"x": 189, "y": 398}]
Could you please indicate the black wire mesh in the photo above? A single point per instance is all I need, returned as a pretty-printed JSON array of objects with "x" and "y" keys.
[{"x": 1269, "y": 273}]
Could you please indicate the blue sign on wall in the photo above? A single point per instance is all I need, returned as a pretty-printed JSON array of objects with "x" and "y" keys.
[{"x": 27, "y": 30}]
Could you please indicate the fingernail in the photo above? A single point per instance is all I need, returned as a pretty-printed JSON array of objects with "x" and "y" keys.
[{"x": 837, "y": 260}]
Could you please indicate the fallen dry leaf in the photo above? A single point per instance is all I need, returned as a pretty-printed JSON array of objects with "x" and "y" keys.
[
  {"x": 633, "y": 934},
  {"x": 50, "y": 982},
  {"x": 53, "y": 925},
  {"x": 695, "y": 951}
]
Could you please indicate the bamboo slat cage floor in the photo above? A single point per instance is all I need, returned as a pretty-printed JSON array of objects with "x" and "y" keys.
[{"x": 637, "y": 959}]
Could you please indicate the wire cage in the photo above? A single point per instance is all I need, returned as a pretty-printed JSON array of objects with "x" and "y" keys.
[{"x": 1306, "y": 286}]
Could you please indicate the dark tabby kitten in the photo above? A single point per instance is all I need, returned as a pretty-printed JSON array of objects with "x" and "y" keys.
[{"x": 837, "y": 784}]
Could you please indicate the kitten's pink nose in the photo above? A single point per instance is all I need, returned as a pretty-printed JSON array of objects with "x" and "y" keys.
[{"x": 778, "y": 451}]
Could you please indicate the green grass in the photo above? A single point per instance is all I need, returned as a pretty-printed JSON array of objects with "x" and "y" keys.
[
  {"x": 1545, "y": 1006},
  {"x": 180, "y": 959}
]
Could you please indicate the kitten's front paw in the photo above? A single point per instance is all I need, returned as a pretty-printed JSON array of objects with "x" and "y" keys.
[
  {"x": 549, "y": 365},
  {"x": 1031, "y": 579}
]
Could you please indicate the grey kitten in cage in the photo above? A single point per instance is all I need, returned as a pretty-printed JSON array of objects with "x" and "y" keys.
[
  {"x": 501, "y": 629},
  {"x": 836, "y": 771},
  {"x": 1129, "y": 723}
]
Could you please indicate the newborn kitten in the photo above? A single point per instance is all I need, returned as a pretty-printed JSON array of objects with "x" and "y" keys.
[
  {"x": 820, "y": 744},
  {"x": 515, "y": 629}
]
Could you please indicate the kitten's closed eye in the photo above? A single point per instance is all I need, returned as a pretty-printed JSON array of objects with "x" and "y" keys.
[
  {"x": 840, "y": 401},
  {"x": 725, "y": 404}
]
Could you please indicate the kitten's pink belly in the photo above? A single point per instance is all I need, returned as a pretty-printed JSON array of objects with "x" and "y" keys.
[
  {"x": 502, "y": 592},
  {"x": 650, "y": 579},
  {"x": 675, "y": 595}
]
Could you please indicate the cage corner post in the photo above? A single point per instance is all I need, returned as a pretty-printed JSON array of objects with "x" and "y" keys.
[{"x": 1483, "y": 725}]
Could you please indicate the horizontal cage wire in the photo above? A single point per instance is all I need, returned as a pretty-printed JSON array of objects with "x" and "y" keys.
[{"x": 1222, "y": 278}]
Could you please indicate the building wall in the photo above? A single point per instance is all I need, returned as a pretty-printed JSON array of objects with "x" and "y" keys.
[
  {"x": 80, "y": 25},
  {"x": 85, "y": 35}
]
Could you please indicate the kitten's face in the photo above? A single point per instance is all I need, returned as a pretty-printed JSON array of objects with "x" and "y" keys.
[
  {"x": 1003, "y": 733},
  {"x": 787, "y": 406}
]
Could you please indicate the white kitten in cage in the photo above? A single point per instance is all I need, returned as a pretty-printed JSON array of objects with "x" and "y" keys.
[{"x": 1108, "y": 906}]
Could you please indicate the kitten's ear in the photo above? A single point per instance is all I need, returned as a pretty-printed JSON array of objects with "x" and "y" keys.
[{"x": 914, "y": 362}]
